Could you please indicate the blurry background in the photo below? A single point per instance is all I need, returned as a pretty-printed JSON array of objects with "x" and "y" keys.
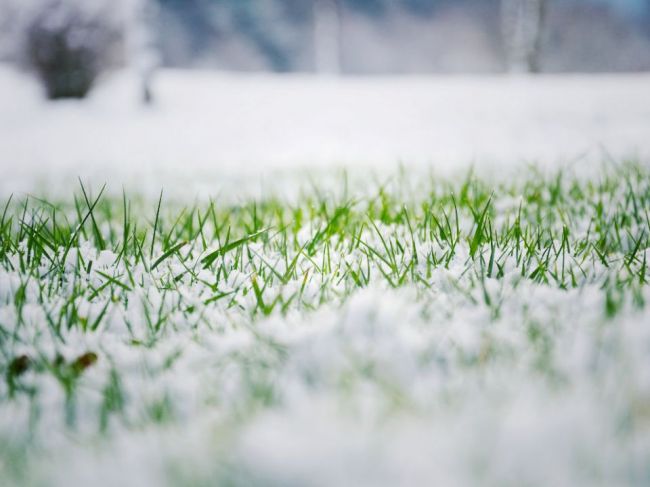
[
  {"x": 207, "y": 71},
  {"x": 341, "y": 36},
  {"x": 403, "y": 36}
]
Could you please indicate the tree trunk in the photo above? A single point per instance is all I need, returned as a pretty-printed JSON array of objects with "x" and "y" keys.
[
  {"x": 522, "y": 24},
  {"x": 142, "y": 45},
  {"x": 327, "y": 35}
]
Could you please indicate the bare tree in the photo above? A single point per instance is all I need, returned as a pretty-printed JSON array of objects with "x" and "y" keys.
[
  {"x": 327, "y": 36},
  {"x": 522, "y": 23}
]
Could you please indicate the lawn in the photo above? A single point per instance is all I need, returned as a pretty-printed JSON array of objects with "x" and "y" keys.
[{"x": 411, "y": 330}]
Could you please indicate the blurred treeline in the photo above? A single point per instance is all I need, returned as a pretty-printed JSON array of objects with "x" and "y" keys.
[
  {"x": 63, "y": 38},
  {"x": 400, "y": 36}
]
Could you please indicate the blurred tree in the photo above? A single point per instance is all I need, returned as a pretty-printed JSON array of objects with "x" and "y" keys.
[
  {"x": 595, "y": 37},
  {"x": 522, "y": 27},
  {"x": 375, "y": 7},
  {"x": 69, "y": 43},
  {"x": 327, "y": 36},
  {"x": 142, "y": 43},
  {"x": 268, "y": 25}
]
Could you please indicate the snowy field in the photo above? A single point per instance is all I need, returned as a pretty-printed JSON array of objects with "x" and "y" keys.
[
  {"x": 325, "y": 294},
  {"x": 208, "y": 130}
]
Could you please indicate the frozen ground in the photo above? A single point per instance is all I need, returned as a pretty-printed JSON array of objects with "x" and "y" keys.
[
  {"x": 385, "y": 328},
  {"x": 207, "y": 130}
]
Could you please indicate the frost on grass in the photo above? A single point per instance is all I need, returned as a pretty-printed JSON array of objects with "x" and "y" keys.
[{"x": 438, "y": 332}]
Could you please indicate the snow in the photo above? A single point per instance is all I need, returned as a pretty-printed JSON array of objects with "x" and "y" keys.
[
  {"x": 373, "y": 390},
  {"x": 503, "y": 425},
  {"x": 209, "y": 130}
]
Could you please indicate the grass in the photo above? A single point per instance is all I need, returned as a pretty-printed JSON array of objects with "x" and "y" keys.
[{"x": 91, "y": 286}]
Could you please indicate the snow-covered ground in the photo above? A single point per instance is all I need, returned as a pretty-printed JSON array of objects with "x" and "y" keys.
[
  {"x": 121, "y": 368},
  {"x": 208, "y": 129}
]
